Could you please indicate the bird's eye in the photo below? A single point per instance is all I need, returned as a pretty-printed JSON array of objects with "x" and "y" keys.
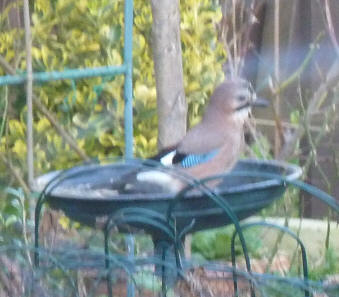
[{"x": 241, "y": 98}]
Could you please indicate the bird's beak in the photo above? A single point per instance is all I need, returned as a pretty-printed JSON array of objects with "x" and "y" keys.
[{"x": 260, "y": 102}]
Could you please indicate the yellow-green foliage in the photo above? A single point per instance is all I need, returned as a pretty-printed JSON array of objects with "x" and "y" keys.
[{"x": 89, "y": 33}]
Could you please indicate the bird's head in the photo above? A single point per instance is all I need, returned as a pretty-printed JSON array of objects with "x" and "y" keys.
[{"x": 235, "y": 98}]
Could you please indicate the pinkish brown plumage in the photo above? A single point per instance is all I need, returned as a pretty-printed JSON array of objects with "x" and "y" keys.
[{"x": 214, "y": 145}]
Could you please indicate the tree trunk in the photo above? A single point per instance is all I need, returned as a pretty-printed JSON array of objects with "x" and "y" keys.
[{"x": 166, "y": 44}]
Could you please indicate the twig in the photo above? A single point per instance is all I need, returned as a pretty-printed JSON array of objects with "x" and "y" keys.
[
  {"x": 253, "y": 132},
  {"x": 331, "y": 27},
  {"x": 21, "y": 198},
  {"x": 7, "y": 67},
  {"x": 296, "y": 74},
  {"x": 235, "y": 50},
  {"x": 235, "y": 34},
  {"x": 278, "y": 132},
  {"x": 271, "y": 123},
  {"x": 50, "y": 116},
  {"x": 29, "y": 93},
  {"x": 275, "y": 248},
  {"x": 16, "y": 174},
  {"x": 67, "y": 137},
  {"x": 4, "y": 115},
  {"x": 11, "y": 282},
  {"x": 295, "y": 253},
  {"x": 314, "y": 143},
  {"x": 331, "y": 80}
]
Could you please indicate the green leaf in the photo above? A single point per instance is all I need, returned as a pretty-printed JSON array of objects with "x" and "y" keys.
[
  {"x": 15, "y": 192},
  {"x": 11, "y": 220}
]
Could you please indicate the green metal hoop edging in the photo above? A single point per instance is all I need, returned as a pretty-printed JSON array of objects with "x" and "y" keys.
[
  {"x": 273, "y": 226},
  {"x": 224, "y": 205},
  {"x": 148, "y": 217},
  {"x": 317, "y": 193}
]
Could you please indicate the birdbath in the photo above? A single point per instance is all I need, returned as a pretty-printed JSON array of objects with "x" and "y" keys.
[{"x": 86, "y": 194}]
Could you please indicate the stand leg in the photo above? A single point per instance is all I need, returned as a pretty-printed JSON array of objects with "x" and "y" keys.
[
  {"x": 130, "y": 248},
  {"x": 37, "y": 212},
  {"x": 163, "y": 272},
  {"x": 108, "y": 265}
]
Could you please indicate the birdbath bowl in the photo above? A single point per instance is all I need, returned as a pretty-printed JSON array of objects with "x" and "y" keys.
[
  {"x": 91, "y": 194},
  {"x": 85, "y": 194}
]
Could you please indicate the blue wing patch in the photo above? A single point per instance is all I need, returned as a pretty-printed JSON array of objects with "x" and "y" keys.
[{"x": 196, "y": 159}]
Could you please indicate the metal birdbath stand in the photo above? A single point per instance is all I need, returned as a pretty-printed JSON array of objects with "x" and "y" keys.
[{"x": 85, "y": 194}]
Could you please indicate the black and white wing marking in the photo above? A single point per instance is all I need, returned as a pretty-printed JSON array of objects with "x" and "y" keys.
[{"x": 173, "y": 157}]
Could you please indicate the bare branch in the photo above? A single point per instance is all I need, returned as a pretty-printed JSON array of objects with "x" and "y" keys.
[
  {"x": 7, "y": 67},
  {"x": 29, "y": 94},
  {"x": 331, "y": 27},
  {"x": 15, "y": 173},
  {"x": 50, "y": 116},
  {"x": 331, "y": 80},
  {"x": 276, "y": 107}
]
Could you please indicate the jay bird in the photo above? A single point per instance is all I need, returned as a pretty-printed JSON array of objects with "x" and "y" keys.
[{"x": 211, "y": 147}]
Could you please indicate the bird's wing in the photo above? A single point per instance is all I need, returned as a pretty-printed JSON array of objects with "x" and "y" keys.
[
  {"x": 200, "y": 144},
  {"x": 190, "y": 160},
  {"x": 185, "y": 160},
  {"x": 165, "y": 156},
  {"x": 170, "y": 156},
  {"x": 202, "y": 139}
]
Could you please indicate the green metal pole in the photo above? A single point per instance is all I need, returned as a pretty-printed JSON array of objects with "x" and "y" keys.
[
  {"x": 66, "y": 74},
  {"x": 128, "y": 112},
  {"x": 128, "y": 87}
]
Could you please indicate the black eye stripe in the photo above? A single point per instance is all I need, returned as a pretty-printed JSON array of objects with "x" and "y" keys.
[{"x": 247, "y": 104}]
